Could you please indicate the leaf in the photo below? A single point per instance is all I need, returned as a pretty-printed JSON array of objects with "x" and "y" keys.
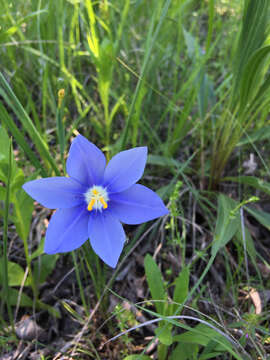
[
  {"x": 181, "y": 287},
  {"x": 202, "y": 335},
  {"x": 11, "y": 99},
  {"x": 260, "y": 134},
  {"x": 25, "y": 300},
  {"x": 4, "y": 157},
  {"x": 251, "y": 181},
  {"x": 155, "y": 283},
  {"x": 4, "y": 145},
  {"x": 15, "y": 273},
  {"x": 23, "y": 208},
  {"x": 2, "y": 193},
  {"x": 137, "y": 357},
  {"x": 193, "y": 49},
  {"x": 8, "y": 33},
  {"x": 39, "y": 251},
  {"x": 18, "y": 136},
  {"x": 252, "y": 75},
  {"x": 162, "y": 161},
  {"x": 185, "y": 352},
  {"x": 252, "y": 36},
  {"x": 226, "y": 225},
  {"x": 206, "y": 94},
  {"x": 261, "y": 216},
  {"x": 164, "y": 334},
  {"x": 43, "y": 267}
]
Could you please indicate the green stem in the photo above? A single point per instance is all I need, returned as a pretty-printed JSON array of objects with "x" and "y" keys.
[
  {"x": 90, "y": 270},
  {"x": 79, "y": 281},
  {"x": 5, "y": 240}
]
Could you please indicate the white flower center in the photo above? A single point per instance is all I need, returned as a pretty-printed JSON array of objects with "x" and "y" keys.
[{"x": 96, "y": 198}]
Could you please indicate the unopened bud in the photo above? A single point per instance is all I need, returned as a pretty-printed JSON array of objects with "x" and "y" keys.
[{"x": 61, "y": 95}]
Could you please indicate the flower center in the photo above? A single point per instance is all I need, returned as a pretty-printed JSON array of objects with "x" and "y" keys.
[{"x": 96, "y": 198}]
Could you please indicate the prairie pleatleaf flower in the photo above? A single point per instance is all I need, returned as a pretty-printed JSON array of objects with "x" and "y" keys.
[{"x": 95, "y": 199}]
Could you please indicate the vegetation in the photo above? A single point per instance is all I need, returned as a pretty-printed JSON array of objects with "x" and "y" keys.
[{"x": 190, "y": 80}]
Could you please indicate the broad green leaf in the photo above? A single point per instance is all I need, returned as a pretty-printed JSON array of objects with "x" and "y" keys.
[
  {"x": 261, "y": 216},
  {"x": 185, "y": 351},
  {"x": 25, "y": 300},
  {"x": 227, "y": 224},
  {"x": 15, "y": 273},
  {"x": 23, "y": 209},
  {"x": 17, "y": 179},
  {"x": 164, "y": 334},
  {"x": 209, "y": 351},
  {"x": 155, "y": 283},
  {"x": 4, "y": 145},
  {"x": 181, "y": 287},
  {"x": 202, "y": 335}
]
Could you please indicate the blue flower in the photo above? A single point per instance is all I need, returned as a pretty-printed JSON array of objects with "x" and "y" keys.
[{"x": 95, "y": 199}]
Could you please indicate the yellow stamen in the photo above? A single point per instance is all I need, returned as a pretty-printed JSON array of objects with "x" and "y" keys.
[
  {"x": 95, "y": 192},
  {"x": 91, "y": 204},
  {"x": 103, "y": 202}
]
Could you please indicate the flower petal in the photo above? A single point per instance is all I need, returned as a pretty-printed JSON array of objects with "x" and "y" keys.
[
  {"x": 67, "y": 230},
  {"x": 107, "y": 236},
  {"x": 137, "y": 205},
  {"x": 85, "y": 163},
  {"x": 125, "y": 169},
  {"x": 56, "y": 192}
]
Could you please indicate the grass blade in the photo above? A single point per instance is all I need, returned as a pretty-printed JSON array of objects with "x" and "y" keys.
[
  {"x": 8, "y": 121},
  {"x": 5, "y": 238},
  {"x": 27, "y": 123}
]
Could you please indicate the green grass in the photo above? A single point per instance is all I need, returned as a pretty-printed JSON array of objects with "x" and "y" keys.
[{"x": 190, "y": 80}]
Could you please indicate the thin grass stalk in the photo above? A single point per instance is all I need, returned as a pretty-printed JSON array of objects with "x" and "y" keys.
[
  {"x": 27, "y": 123},
  {"x": 89, "y": 262},
  {"x": 249, "y": 70},
  {"x": 5, "y": 240},
  {"x": 18, "y": 136},
  {"x": 79, "y": 282},
  {"x": 100, "y": 275},
  {"x": 151, "y": 39},
  {"x": 211, "y": 13},
  {"x": 31, "y": 276}
]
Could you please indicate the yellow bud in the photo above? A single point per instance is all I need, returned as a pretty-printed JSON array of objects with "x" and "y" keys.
[{"x": 61, "y": 95}]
